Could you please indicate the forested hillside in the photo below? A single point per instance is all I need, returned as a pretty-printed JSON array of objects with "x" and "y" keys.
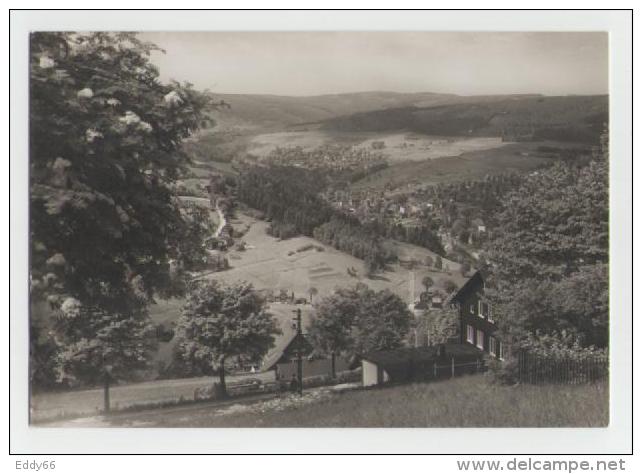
[{"x": 568, "y": 118}]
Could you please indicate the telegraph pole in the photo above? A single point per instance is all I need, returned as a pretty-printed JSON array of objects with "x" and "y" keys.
[{"x": 299, "y": 349}]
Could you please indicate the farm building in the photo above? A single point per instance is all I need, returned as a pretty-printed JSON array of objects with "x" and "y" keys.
[
  {"x": 283, "y": 359},
  {"x": 419, "y": 363},
  {"x": 285, "y": 352},
  {"x": 477, "y": 327}
]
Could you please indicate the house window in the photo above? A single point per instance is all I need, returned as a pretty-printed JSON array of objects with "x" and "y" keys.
[
  {"x": 480, "y": 339},
  {"x": 472, "y": 308},
  {"x": 490, "y": 315},
  {"x": 470, "y": 334},
  {"x": 492, "y": 346},
  {"x": 500, "y": 350},
  {"x": 483, "y": 309}
]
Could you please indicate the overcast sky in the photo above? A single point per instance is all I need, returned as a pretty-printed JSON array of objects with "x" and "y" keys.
[{"x": 322, "y": 63}]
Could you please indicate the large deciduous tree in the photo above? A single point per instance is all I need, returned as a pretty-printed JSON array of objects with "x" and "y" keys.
[
  {"x": 218, "y": 323},
  {"x": 548, "y": 260},
  {"x": 358, "y": 320},
  {"x": 105, "y": 137}
]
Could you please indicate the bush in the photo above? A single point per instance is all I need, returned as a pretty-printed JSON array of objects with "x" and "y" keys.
[{"x": 548, "y": 358}]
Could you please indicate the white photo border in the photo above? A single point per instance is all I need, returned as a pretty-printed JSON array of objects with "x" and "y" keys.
[{"x": 616, "y": 439}]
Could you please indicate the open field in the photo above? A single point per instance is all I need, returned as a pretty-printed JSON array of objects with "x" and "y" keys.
[
  {"x": 469, "y": 401},
  {"x": 273, "y": 264}
]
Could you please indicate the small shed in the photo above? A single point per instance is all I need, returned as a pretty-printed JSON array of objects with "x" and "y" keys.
[{"x": 416, "y": 363}]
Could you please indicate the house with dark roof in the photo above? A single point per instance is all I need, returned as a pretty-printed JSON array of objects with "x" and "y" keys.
[
  {"x": 285, "y": 351},
  {"x": 477, "y": 326}
]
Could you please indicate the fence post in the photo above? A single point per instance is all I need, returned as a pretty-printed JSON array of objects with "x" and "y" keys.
[
  {"x": 434, "y": 369},
  {"x": 452, "y": 367}
]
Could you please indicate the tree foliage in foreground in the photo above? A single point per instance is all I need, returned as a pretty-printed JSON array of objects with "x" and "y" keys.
[{"x": 105, "y": 138}]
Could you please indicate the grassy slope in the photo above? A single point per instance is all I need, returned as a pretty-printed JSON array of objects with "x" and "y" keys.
[
  {"x": 464, "y": 402},
  {"x": 268, "y": 265}
]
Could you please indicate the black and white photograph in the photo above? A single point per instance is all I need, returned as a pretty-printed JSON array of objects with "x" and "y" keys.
[{"x": 319, "y": 229}]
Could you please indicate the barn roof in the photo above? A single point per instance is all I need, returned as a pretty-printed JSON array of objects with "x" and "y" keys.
[{"x": 281, "y": 349}]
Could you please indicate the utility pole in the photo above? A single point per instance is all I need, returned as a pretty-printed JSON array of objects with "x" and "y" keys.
[{"x": 299, "y": 349}]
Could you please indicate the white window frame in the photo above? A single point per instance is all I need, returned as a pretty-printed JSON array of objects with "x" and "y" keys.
[
  {"x": 480, "y": 310},
  {"x": 500, "y": 352},
  {"x": 470, "y": 334},
  {"x": 472, "y": 308},
  {"x": 478, "y": 339},
  {"x": 492, "y": 346},
  {"x": 490, "y": 314}
]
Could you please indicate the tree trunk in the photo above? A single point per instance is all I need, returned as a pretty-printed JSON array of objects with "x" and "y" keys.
[
  {"x": 106, "y": 393},
  {"x": 221, "y": 378},
  {"x": 333, "y": 359}
]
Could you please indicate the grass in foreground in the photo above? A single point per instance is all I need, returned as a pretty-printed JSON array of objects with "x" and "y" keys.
[{"x": 464, "y": 402}]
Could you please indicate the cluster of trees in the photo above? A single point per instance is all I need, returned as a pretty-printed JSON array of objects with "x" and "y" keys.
[
  {"x": 548, "y": 261},
  {"x": 461, "y": 203},
  {"x": 105, "y": 138},
  {"x": 423, "y": 234},
  {"x": 289, "y": 198},
  {"x": 347, "y": 235},
  {"x": 359, "y": 320}
]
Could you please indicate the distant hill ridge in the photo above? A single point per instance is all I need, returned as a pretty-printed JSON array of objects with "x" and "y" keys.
[
  {"x": 521, "y": 116},
  {"x": 563, "y": 118},
  {"x": 276, "y": 111}
]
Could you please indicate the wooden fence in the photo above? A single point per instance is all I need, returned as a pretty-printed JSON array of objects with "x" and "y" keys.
[
  {"x": 437, "y": 369},
  {"x": 535, "y": 369}
]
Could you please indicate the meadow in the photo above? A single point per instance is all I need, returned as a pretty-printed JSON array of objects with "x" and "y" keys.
[
  {"x": 469, "y": 401},
  {"x": 297, "y": 265}
]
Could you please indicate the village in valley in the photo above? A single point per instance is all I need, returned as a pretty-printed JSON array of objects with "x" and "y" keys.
[{"x": 364, "y": 259}]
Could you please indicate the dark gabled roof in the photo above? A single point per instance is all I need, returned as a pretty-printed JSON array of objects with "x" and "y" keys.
[
  {"x": 273, "y": 357},
  {"x": 475, "y": 279},
  {"x": 281, "y": 349}
]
